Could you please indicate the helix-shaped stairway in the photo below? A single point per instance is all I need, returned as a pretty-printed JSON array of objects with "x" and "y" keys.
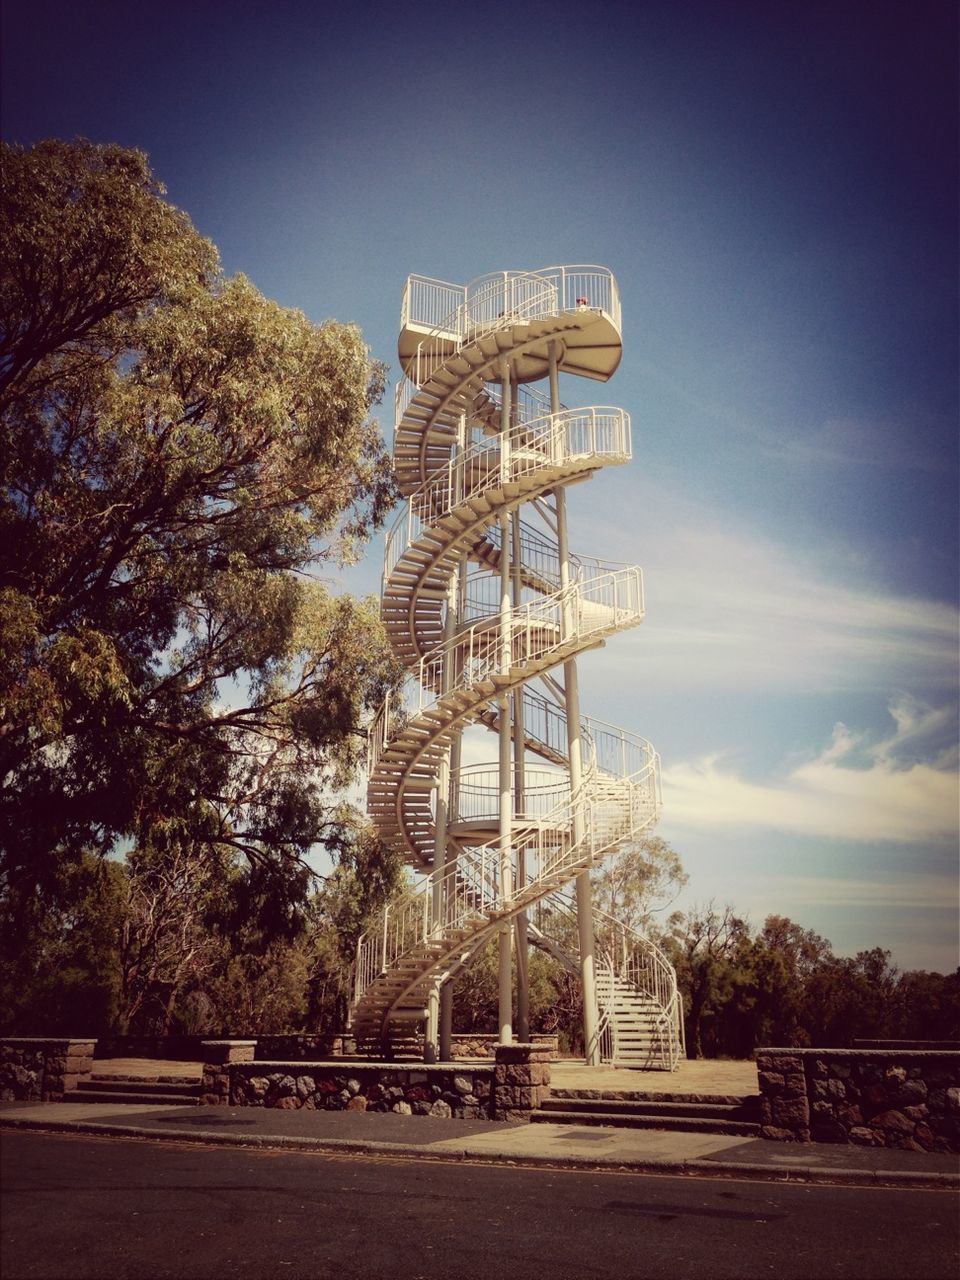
[
  {"x": 479, "y": 604},
  {"x": 641, "y": 1013}
]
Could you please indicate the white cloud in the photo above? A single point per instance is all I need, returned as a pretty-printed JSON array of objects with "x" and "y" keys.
[
  {"x": 909, "y": 893},
  {"x": 728, "y": 611},
  {"x": 854, "y": 789}
]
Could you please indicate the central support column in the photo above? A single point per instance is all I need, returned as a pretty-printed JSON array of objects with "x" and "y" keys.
[
  {"x": 572, "y": 695},
  {"x": 505, "y": 983},
  {"x": 449, "y": 780},
  {"x": 519, "y": 798}
]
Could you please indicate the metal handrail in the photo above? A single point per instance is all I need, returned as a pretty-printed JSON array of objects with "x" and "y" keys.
[
  {"x": 533, "y": 631},
  {"x": 555, "y": 831},
  {"x": 558, "y": 439},
  {"x": 653, "y": 974},
  {"x": 436, "y": 304},
  {"x": 502, "y": 300},
  {"x": 472, "y": 894}
]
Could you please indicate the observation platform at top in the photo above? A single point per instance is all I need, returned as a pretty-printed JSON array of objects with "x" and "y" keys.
[{"x": 578, "y": 307}]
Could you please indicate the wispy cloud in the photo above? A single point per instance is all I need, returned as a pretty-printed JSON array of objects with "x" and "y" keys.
[
  {"x": 725, "y": 610},
  {"x": 913, "y": 437},
  {"x": 854, "y": 789},
  {"x": 909, "y": 893}
]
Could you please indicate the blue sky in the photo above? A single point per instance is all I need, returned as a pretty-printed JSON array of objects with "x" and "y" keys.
[{"x": 775, "y": 186}]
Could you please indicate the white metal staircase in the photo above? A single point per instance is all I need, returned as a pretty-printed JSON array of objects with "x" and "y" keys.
[
  {"x": 641, "y": 1011},
  {"x": 478, "y": 605}
]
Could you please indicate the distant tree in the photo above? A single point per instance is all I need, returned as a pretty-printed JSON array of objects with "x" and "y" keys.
[
  {"x": 177, "y": 455},
  {"x": 642, "y": 879},
  {"x": 928, "y": 1006},
  {"x": 60, "y": 952},
  {"x": 705, "y": 945},
  {"x": 769, "y": 1001}
]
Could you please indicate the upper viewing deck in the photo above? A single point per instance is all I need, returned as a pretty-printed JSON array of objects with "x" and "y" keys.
[{"x": 440, "y": 318}]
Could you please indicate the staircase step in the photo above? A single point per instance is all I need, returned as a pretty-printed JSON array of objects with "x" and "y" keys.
[
  {"x": 746, "y": 1110},
  {"x": 682, "y": 1124},
  {"x": 120, "y": 1097},
  {"x": 144, "y": 1084}
]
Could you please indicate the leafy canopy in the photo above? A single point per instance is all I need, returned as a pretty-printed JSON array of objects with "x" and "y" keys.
[{"x": 177, "y": 455}]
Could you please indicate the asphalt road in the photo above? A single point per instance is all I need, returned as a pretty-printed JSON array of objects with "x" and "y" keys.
[{"x": 106, "y": 1209}]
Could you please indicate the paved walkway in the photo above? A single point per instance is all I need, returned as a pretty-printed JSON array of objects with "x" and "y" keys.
[
  {"x": 533, "y": 1145},
  {"x": 703, "y": 1077},
  {"x": 536, "y": 1145}
]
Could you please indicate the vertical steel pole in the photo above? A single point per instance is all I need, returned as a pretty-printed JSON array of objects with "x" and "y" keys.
[
  {"x": 519, "y": 783},
  {"x": 449, "y": 787},
  {"x": 572, "y": 692},
  {"x": 505, "y": 1000},
  {"x": 433, "y": 1020}
]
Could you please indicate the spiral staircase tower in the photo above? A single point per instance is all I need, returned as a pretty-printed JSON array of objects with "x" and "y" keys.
[{"x": 488, "y": 608}]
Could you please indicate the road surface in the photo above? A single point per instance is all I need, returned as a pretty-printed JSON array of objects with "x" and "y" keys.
[{"x": 112, "y": 1209}]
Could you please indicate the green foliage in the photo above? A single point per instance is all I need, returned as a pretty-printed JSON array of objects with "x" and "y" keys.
[
  {"x": 784, "y": 986},
  {"x": 178, "y": 455},
  {"x": 555, "y": 999},
  {"x": 642, "y": 879},
  {"x": 60, "y": 952}
]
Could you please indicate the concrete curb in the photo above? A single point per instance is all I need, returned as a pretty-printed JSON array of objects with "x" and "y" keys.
[{"x": 695, "y": 1167}]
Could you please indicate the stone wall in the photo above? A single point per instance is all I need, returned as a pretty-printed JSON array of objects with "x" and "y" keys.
[
  {"x": 481, "y": 1045},
  {"x": 871, "y": 1097},
  {"x": 301, "y": 1047},
  {"x": 510, "y": 1089},
  {"x": 218, "y": 1058},
  {"x": 294, "y": 1046},
  {"x": 168, "y": 1048},
  {"x": 41, "y": 1069},
  {"x": 521, "y": 1080},
  {"x": 408, "y": 1089}
]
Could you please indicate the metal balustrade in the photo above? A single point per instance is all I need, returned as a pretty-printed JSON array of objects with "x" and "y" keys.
[
  {"x": 556, "y": 440},
  {"x": 494, "y": 303},
  {"x": 572, "y": 617},
  {"x": 467, "y": 461},
  {"x": 631, "y": 965},
  {"x": 467, "y": 895},
  {"x": 440, "y": 307}
]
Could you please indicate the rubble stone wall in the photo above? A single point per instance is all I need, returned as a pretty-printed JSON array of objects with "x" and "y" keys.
[
  {"x": 43, "y": 1068},
  {"x": 521, "y": 1080},
  {"x": 909, "y": 1099},
  {"x": 482, "y": 1045},
  {"x": 408, "y": 1089},
  {"x": 509, "y": 1089}
]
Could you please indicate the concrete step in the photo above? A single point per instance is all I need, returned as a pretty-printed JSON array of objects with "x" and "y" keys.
[
  {"x": 748, "y": 1109},
  {"x": 120, "y": 1097},
  {"x": 677, "y": 1124},
  {"x": 166, "y": 1090},
  {"x": 691, "y": 1113},
  {"x": 144, "y": 1084}
]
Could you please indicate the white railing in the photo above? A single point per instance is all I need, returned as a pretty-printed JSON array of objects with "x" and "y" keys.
[
  {"x": 571, "y": 617},
  {"x": 476, "y": 794},
  {"x": 482, "y": 596},
  {"x": 554, "y": 440},
  {"x": 490, "y": 303},
  {"x": 469, "y": 894},
  {"x": 628, "y": 957},
  {"x": 428, "y": 303},
  {"x": 554, "y": 832},
  {"x": 435, "y": 304}
]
